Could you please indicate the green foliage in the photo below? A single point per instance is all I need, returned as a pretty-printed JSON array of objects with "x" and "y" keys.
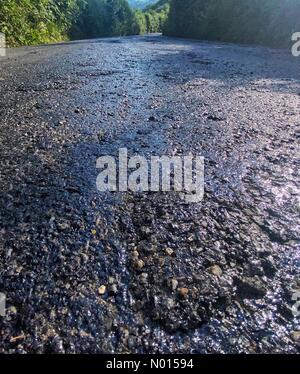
[
  {"x": 153, "y": 18},
  {"x": 37, "y": 21},
  {"x": 268, "y": 22},
  {"x": 42, "y": 21},
  {"x": 101, "y": 18},
  {"x": 115, "y": 18}
]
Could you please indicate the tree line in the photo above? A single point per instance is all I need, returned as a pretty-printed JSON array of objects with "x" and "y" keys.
[
  {"x": 265, "y": 22},
  {"x": 42, "y": 21},
  {"x": 153, "y": 18},
  {"x": 117, "y": 18}
]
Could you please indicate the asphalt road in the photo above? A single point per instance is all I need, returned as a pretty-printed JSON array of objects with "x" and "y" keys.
[{"x": 92, "y": 272}]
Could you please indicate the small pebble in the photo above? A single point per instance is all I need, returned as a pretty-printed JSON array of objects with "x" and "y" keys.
[
  {"x": 215, "y": 270},
  {"x": 13, "y": 310},
  {"x": 174, "y": 284},
  {"x": 183, "y": 292},
  {"x": 102, "y": 290},
  {"x": 139, "y": 264},
  {"x": 143, "y": 278},
  {"x": 114, "y": 289},
  {"x": 296, "y": 336},
  {"x": 135, "y": 254},
  {"x": 169, "y": 251}
]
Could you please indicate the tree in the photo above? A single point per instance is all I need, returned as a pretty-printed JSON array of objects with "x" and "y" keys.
[
  {"x": 37, "y": 21},
  {"x": 269, "y": 22}
]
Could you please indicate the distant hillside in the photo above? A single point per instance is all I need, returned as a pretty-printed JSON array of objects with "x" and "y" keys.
[
  {"x": 152, "y": 18},
  {"x": 141, "y": 4},
  {"x": 158, "y": 5}
]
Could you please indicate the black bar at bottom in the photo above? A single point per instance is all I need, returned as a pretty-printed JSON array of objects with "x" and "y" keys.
[{"x": 142, "y": 363}]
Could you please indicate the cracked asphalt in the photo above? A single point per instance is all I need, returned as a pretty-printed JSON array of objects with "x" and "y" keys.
[{"x": 91, "y": 272}]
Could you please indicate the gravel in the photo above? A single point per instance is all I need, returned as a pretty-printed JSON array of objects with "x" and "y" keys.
[{"x": 90, "y": 272}]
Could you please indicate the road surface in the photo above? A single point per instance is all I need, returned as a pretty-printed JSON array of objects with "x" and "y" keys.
[{"x": 91, "y": 272}]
